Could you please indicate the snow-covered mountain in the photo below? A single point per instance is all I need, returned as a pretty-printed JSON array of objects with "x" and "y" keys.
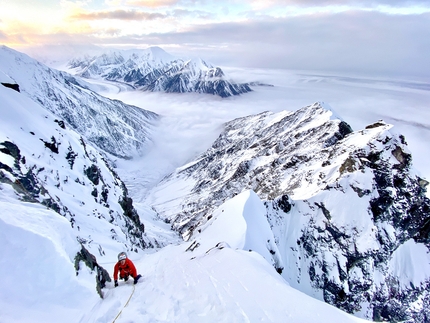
[
  {"x": 340, "y": 214},
  {"x": 117, "y": 128},
  {"x": 44, "y": 162},
  {"x": 153, "y": 69},
  {"x": 65, "y": 214},
  {"x": 348, "y": 213},
  {"x": 50, "y": 126}
]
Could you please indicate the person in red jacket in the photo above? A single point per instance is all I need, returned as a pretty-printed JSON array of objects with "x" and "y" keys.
[{"x": 126, "y": 268}]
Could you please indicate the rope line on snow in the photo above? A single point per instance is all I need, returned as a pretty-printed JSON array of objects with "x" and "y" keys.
[{"x": 120, "y": 312}]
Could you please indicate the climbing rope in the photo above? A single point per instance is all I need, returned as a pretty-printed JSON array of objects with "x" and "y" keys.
[{"x": 132, "y": 292}]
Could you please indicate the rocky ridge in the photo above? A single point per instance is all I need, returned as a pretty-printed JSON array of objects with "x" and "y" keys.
[{"x": 346, "y": 208}]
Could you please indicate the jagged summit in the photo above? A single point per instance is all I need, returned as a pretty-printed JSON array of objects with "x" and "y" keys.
[
  {"x": 153, "y": 69},
  {"x": 346, "y": 207}
]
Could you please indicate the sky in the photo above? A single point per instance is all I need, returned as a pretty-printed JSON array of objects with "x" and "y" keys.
[{"x": 378, "y": 37}]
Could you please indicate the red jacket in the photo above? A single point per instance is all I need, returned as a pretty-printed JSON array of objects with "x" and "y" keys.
[{"x": 127, "y": 269}]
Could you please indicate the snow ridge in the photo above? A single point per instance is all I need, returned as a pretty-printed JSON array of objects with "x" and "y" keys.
[
  {"x": 117, "y": 128},
  {"x": 44, "y": 162}
]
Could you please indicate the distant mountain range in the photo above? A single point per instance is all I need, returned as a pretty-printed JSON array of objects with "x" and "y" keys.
[{"x": 153, "y": 69}]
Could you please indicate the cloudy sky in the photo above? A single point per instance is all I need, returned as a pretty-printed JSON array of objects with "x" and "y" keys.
[{"x": 381, "y": 37}]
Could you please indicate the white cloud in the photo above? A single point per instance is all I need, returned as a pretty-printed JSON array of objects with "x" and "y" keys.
[{"x": 353, "y": 41}]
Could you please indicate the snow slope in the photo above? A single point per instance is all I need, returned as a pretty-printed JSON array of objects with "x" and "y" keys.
[
  {"x": 50, "y": 164},
  {"x": 37, "y": 253},
  {"x": 225, "y": 285},
  {"x": 217, "y": 284}
]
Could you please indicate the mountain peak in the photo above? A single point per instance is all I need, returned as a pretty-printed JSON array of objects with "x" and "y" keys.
[
  {"x": 159, "y": 52},
  {"x": 338, "y": 201}
]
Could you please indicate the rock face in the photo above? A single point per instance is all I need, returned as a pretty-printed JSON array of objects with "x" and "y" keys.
[
  {"x": 155, "y": 70},
  {"x": 117, "y": 128},
  {"x": 6, "y": 81},
  {"x": 348, "y": 213},
  {"x": 66, "y": 175}
]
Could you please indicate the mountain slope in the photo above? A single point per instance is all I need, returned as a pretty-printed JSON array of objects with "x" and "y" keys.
[
  {"x": 66, "y": 214},
  {"x": 341, "y": 214},
  {"x": 64, "y": 209},
  {"x": 219, "y": 284},
  {"x": 343, "y": 206},
  {"x": 153, "y": 69},
  {"x": 119, "y": 129},
  {"x": 37, "y": 265},
  {"x": 44, "y": 162}
]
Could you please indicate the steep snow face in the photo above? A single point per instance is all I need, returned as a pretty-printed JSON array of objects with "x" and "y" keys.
[
  {"x": 42, "y": 161},
  {"x": 342, "y": 205},
  {"x": 155, "y": 70},
  {"x": 119, "y": 129},
  {"x": 37, "y": 254}
]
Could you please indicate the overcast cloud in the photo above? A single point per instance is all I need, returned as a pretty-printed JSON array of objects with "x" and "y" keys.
[
  {"x": 382, "y": 37},
  {"x": 353, "y": 41},
  {"x": 119, "y": 14},
  {"x": 367, "y": 3}
]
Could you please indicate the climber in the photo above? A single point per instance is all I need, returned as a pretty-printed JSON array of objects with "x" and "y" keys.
[{"x": 126, "y": 268}]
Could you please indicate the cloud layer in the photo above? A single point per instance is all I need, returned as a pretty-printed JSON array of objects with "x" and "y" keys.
[
  {"x": 378, "y": 37},
  {"x": 118, "y": 14}
]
